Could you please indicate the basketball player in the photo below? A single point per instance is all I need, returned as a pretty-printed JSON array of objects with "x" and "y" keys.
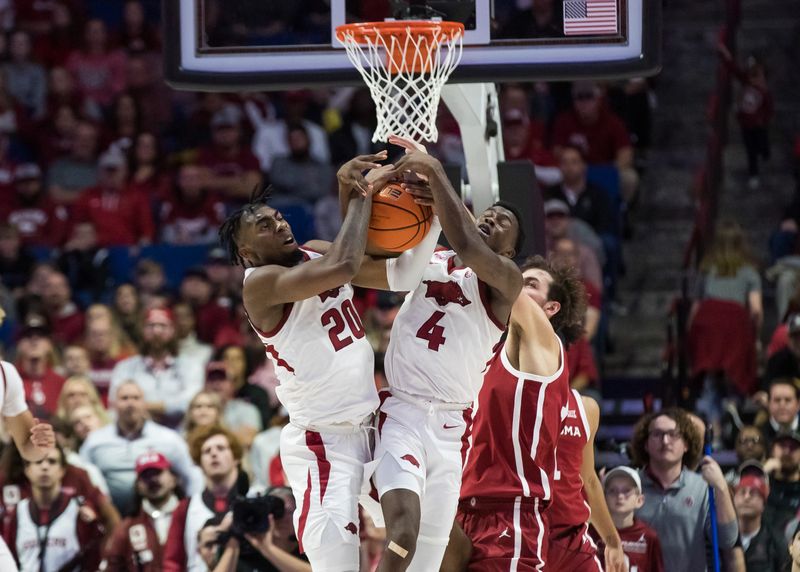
[
  {"x": 33, "y": 439},
  {"x": 508, "y": 477},
  {"x": 570, "y": 546},
  {"x": 440, "y": 342},
  {"x": 300, "y": 304}
]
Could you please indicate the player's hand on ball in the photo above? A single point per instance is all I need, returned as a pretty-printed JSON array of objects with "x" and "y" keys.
[
  {"x": 351, "y": 174},
  {"x": 421, "y": 192},
  {"x": 42, "y": 435},
  {"x": 423, "y": 165}
]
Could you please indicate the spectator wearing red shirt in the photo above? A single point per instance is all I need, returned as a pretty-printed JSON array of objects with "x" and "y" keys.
[
  {"x": 191, "y": 214},
  {"x": 233, "y": 169},
  {"x": 592, "y": 127},
  {"x": 64, "y": 315},
  {"x": 196, "y": 289},
  {"x": 35, "y": 364},
  {"x": 121, "y": 216},
  {"x": 99, "y": 71},
  {"x": 583, "y": 372},
  {"x": 39, "y": 221},
  {"x": 147, "y": 172},
  {"x": 754, "y": 110}
]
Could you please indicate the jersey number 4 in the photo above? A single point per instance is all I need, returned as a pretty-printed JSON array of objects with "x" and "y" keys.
[
  {"x": 432, "y": 332},
  {"x": 346, "y": 317}
]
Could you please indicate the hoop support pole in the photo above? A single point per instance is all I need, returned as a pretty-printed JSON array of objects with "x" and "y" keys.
[{"x": 476, "y": 109}]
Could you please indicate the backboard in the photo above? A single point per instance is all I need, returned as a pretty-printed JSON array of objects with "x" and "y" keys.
[{"x": 282, "y": 44}]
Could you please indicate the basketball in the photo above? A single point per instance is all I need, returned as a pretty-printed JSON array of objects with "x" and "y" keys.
[{"x": 397, "y": 222}]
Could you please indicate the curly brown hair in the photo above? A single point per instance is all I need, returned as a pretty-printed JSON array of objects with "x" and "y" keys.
[
  {"x": 202, "y": 434},
  {"x": 690, "y": 434},
  {"x": 566, "y": 289}
]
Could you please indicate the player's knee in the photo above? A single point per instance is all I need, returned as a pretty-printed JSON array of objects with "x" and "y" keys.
[{"x": 402, "y": 528}]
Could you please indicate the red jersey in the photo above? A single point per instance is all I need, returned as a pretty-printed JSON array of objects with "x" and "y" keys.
[
  {"x": 41, "y": 393},
  {"x": 515, "y": 432},
  {"x": 120, "y": 218},
  {"x": 641, "y": 547},
  {"x": 41, "y": 223},
  {"x": 569, "y": 507}
]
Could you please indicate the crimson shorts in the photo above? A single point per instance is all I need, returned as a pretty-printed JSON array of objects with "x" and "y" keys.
[
  {"x": 506, "y": 535},
  {"x": 572, "y": 549}
]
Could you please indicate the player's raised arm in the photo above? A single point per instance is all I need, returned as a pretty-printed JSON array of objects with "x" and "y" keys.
[{"x": 492, "y": 266}]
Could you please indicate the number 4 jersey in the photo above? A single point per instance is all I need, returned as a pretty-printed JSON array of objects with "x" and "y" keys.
[
  {"x": 322, "y": 359},
  {"x": 443, "y": 335}
]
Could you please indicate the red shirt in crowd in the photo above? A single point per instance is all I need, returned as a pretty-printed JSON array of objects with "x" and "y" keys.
[
  {"x": 211, "y": 317},
  {"x": 580, "y": 359},
  {"x": 222, "y": 165},
  {"x": 42, "y": 223},
  {"x": 187, "y": 223},
  {"x": 99, "y": 77},
  {"x": 134, "y": 546},
  {"x": 600, "y": 140},
  {"x": 41, "y": 393},
  {"x": 640, "y": 544},
  {"x": 120, "y": 218},
  {"x": 67, "y": 324}
]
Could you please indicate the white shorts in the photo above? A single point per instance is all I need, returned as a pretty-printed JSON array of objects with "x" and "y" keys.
[
  {"x": 430, "y": 445},
  {"x": 326, "y": 472},
  {"x": 7, "y": 563}
]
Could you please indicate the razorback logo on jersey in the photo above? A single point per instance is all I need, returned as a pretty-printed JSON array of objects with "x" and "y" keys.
[
  {"x": 411, "y": 459},
  {"x": 332, "y": 293},
  {"x": 351, "y": 528},
  {"x": 445, "y": 292}
]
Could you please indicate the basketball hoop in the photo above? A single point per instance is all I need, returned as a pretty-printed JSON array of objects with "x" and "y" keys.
[{"x": 404, "y": 63}]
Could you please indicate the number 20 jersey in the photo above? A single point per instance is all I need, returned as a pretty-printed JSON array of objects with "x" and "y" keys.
[
  {"x": 443, "y": 335},
  {"x": 322, "y": 359}
]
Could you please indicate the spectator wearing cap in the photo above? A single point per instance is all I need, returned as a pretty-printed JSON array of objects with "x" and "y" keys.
[
  {"x": 764, "y": 546},
  {"x": 783, "y": 467},
  {"x": 39, "y": 220},
  {"x": 167, "y": 380},
  {"x": 598, "y": 132},
  {"x": 783, "y": 407},
  {"x": 121, "y": 216},
  {"x": 233, "y": 170},
  {"x": 115, "y": 448},
  {"x": 137, "y": 543},
  {"x": 298, "y": 176},
  {"x": 665, "y": 445},
  {"x": 241, "y": 417},
  {"x": 189, "y": 346},
  {"x": 623, "y": 491},
  {"x": 191, "y": 214},
  {"x": 68, "y": 176},
  {"x": 35, "y": 361},
  {"x": 66, "y": 318},
  {"x": 559, "y": 223},
  {"x": 196, "y": 289},
  {"x": 785, "y": 363}
]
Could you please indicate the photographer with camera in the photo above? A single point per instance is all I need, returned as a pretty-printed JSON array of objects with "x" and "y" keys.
[{"x": 265, "y": 524}]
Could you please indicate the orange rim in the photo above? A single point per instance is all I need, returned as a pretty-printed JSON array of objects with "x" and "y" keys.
[{"x": 398, "y": 58}]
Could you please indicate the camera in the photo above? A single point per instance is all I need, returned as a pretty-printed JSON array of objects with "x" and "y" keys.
[{"x": 251, "y": 515}]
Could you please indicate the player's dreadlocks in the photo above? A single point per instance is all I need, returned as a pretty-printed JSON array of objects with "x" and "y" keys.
[{"x": 229, "y": 231}]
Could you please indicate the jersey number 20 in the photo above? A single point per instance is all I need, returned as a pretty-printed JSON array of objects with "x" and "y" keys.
[{"x": 348, "y": 318}]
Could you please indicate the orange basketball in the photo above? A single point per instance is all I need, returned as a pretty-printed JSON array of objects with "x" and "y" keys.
[{"x": 397, "y": 222}]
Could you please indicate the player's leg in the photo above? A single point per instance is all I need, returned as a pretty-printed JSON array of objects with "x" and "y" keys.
[
  {"x": 574, "y": 550},
  {"x": 459, "y": 549},
  {"x": 325, "y": 472},
  {"x": 400, "y": 479}
]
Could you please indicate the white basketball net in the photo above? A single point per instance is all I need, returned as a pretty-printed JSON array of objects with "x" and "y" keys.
[{"x": 406, "y": 101}]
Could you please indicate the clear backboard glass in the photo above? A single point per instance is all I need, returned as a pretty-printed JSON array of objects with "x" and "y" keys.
[{"x": 269, "y": 44}]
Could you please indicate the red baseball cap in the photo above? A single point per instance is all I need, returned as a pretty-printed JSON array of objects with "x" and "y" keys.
[
  {"x": 756, "y": 483},
  {"x": 151, "y": 460},
  {"x": 158, "y": 314}
]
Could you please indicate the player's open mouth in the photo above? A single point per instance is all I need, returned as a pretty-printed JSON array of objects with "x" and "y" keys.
[
  {"x": 484, "y": 229},
  {"x": 289, "y": 240}
]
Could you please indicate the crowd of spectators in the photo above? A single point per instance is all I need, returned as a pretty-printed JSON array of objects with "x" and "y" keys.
[{"x": 161, "y": 395}]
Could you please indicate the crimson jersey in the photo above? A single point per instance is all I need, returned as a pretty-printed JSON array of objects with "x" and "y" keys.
[
  {"x": 569, "y": 507},
  {"x": 322, "y": 359},
  {"x": 515, "y": 432},
  {"x": 443, "y": 334}
]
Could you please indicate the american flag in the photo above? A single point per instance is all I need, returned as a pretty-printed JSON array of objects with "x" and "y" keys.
[{"x": 589, "y": 17}]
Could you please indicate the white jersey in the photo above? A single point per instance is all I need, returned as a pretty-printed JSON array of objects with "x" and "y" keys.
[
  {"x": 322, "y": 359},
  {"x": 443, "y": 335},
  {"x": 12, "y": 392},
  {"x": 61, "y": 538}
]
